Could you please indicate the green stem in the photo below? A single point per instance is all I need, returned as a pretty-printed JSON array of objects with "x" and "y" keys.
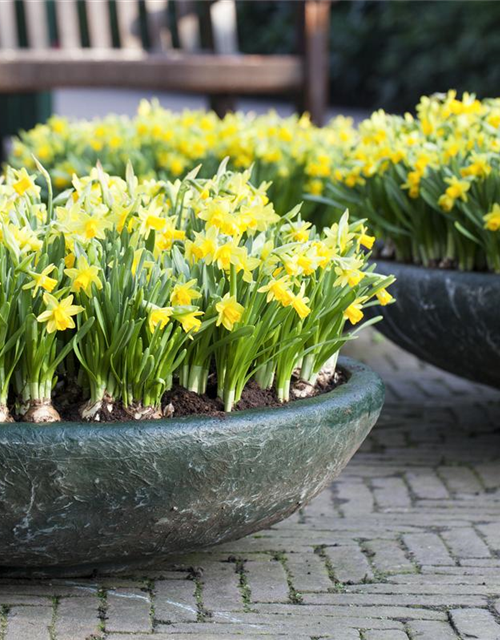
[
  {"x": 229, "y": 396},
  {"x": 232, "y": 281}
]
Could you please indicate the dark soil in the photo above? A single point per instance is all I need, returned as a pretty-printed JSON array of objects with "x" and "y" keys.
[{"x": 188, "y": 403}]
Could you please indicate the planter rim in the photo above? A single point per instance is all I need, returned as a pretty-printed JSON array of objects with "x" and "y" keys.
[
  {"x": 360, "y": 380},
  {"x": 453, "y": 273}
]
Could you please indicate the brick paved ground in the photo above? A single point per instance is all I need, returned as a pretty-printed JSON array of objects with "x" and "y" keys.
[{"x": 405, "y": 545}]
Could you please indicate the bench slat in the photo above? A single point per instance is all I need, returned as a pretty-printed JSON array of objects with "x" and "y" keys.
[
  {"x": 99, "y": 24},
  {"x": 188, "y": 25},
  {"x": 68, "y": 24},
  {"x": 8, "y": 25},
  {"x": 37, "y": 25},
  {"x": 157, "y": 22},
  {"x": 128, "y": 24},
  {"x": 197, "y": 73},
  {"x": 224, "y": 26}
]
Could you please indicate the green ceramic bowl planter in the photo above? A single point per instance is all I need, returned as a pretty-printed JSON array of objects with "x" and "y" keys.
[
  {"x": 78, "y": 497},
  {"x": 448, "y": 318},
  {"x": 118, "y": 292}
]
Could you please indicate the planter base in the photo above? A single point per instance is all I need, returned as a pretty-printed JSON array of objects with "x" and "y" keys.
[{"x": 80, "y": 498}]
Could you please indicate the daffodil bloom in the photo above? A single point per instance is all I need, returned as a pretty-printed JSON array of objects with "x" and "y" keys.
[
  {"x": 230, "y": 312},
  {"x": 170, "y": 234},
  {"x": 86, "y": 227},
  {"x": 84, "y": 276},
  {"x": 224, "y": 255},
  {"x": 183, "y": 294},
  {"x": 203, "y": 247},
  {"x": 42, "y": 280},
  {"x": 298, "y": 232},
  {"x": 278, "y": 290},
  {"x": 384, "y": 297},
  {"x": 151, "y": 218},
  {"x": 159, "y": 316},
  {"x": 492, "y": 219},
  {"x": 69, "y": 260},
  {"x": 299, "y": 303},
  {"x": 479, "y": 167},
  {"x": 219, "y": 214},
  {"x": 58, "y": 314},
  {"x": 190, "y": 321},
  {"x": 446, "y": 202},
  {"x": 457, "y": 189},
  {"x": 349, "y": 272},
  {"x": 353, "y": 313},
  {"x": 26, "y": 239},
  {"x": 412, "y": 183},
  {"x": 366, "y": 240},
  {"x": 25, "y": 184}
]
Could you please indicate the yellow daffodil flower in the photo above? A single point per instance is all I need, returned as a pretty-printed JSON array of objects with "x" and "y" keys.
[
  {"x": 384, "y": 297},
  {"x": 84, "y": 276},
  {"x": 353, "y": 313},
  {"x": 58, "y": 314},
  {"x": 159, "y": 316},
  {"x": 230, "y": 312},
  {"x": 492, "y": 219},
  {"x": 42, "y": 280},
  {"x": 183, "y": 294},
  {"x": 299, "y": 303},
  {"x": 190, "y": 321},
  {"x": 278, "y": 290}
]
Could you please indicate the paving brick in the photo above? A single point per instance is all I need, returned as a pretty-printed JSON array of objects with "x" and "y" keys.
[
  {"x": 476, "y": 623},
  {"x": 267, "y": 580},
  {"x": 354, "y": 498},
  {"x": 78, "y": 618},
  {"x": 387, "y": 556},
  {"x": 491, "y": 532},
  {"x": 308, "y": 572},
  {"x": 379, "y": 612},
  {"x": 385, "y": 635},
  {"x": 174, "y": 601},
  {"x": 460, "y": 480},
  {"x": 221, "y": 590},
  {"x": 29, "y": 623},
  {"x": 128, "y": 610},
  {"x": 292, "y": 625},
  {"x": 425, "y": 483},
  {"x": 428, "y": 548},
  {"x": 465, "y": 543},
  {"x": 402, "y": 599},
  {"x": 349, "y": 563},
  {"x": 391, "y": 493},
  {"x": 489, "y": 473},
  {"x": 430, "y": 630}
]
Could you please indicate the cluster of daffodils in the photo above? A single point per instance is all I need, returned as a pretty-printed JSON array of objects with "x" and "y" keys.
[
  {"x": 118, "y": 288},
  {"x": 294, "y": 155},
  {"x": 429, "y": 184}
]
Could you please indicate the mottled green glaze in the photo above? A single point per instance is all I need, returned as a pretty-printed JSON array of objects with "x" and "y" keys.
[
  {"x": 76, "y": 497},
  {"x": 448, "y": 318}
]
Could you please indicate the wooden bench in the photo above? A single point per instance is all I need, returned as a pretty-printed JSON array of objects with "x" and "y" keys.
[{"x": 182, "y": 45}]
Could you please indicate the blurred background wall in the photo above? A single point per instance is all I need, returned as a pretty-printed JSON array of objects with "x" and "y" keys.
[{"x": 388, "y": 53}]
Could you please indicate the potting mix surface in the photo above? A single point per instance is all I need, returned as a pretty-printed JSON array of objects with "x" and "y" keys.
[{"x": 405, "y": 545}]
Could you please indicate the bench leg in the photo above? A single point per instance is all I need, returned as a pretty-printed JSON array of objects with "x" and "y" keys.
[
  {"x": 222, "y": 104},
  {"x": 315, "y": 38}
]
